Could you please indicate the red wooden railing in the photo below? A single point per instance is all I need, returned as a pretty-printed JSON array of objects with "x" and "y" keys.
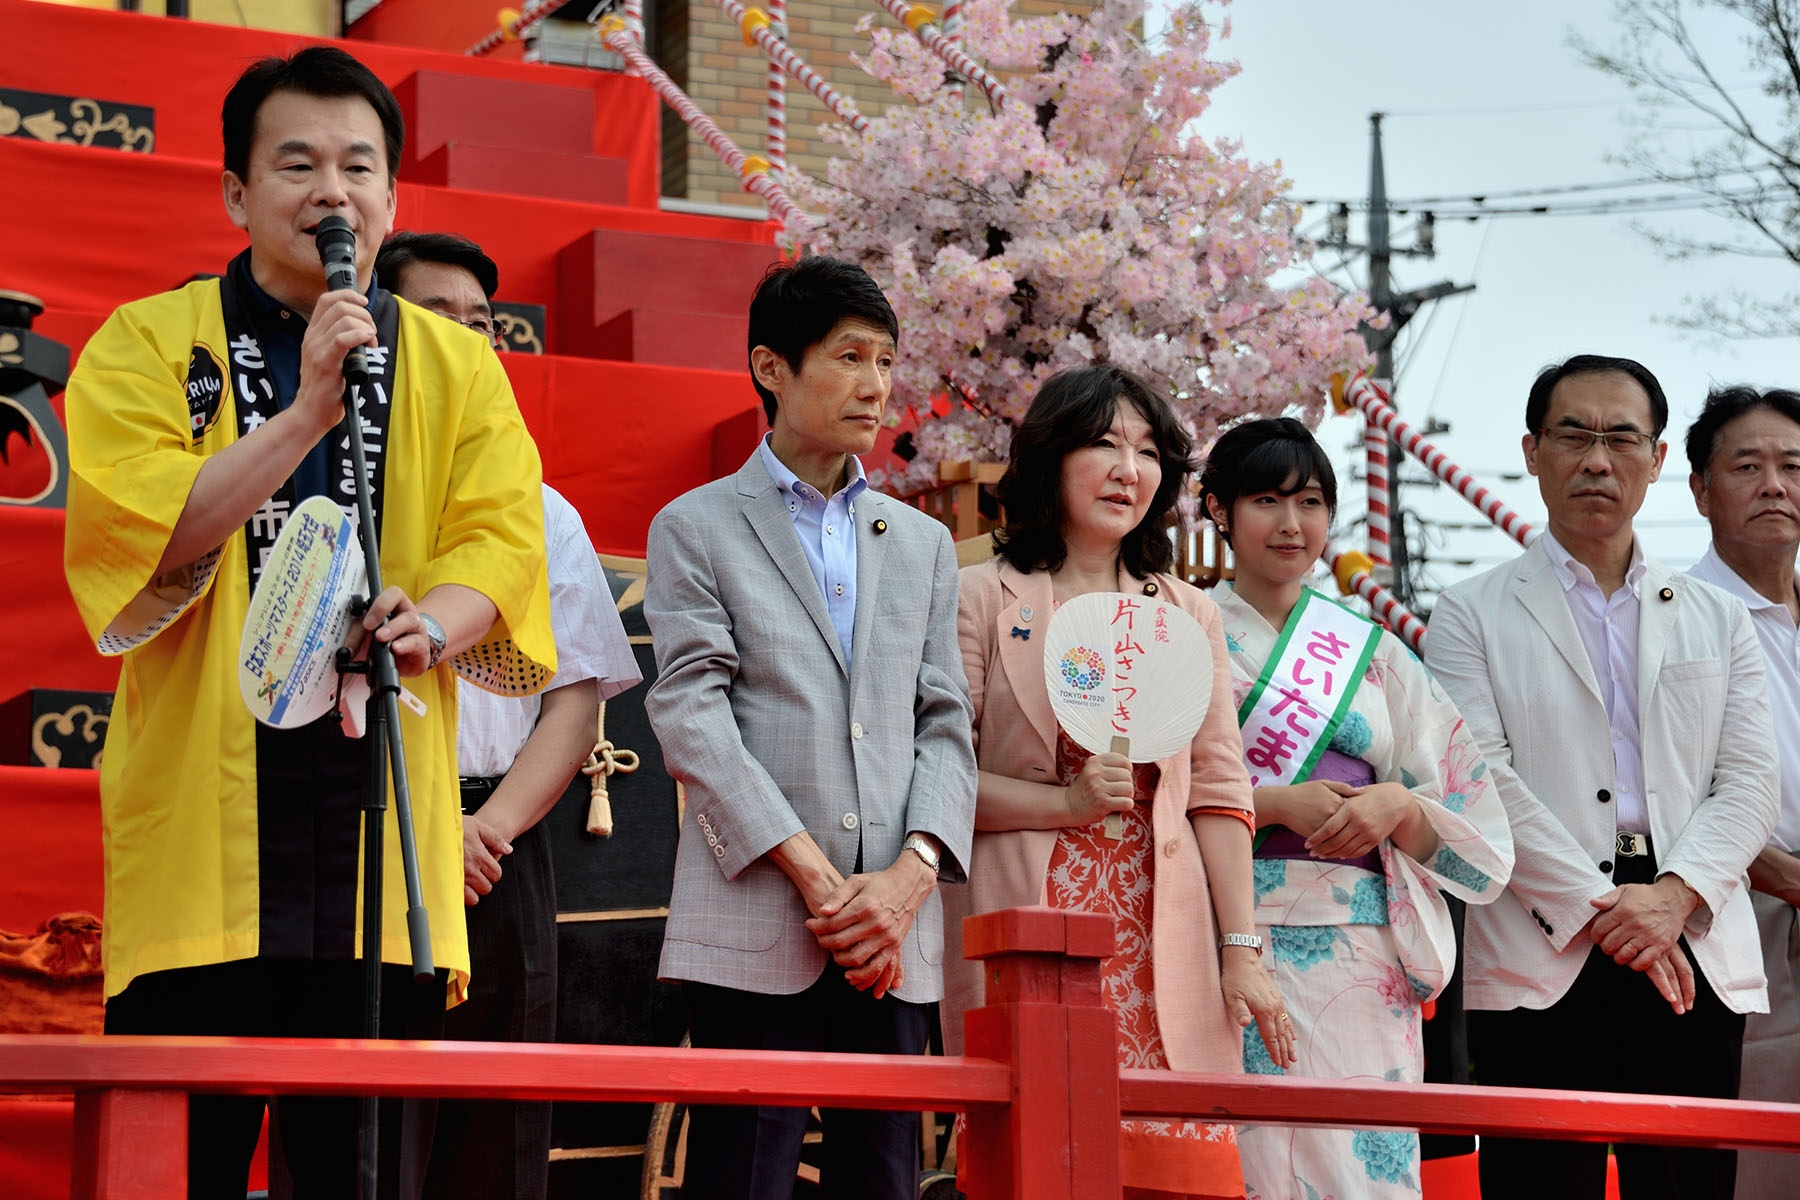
[{"x": 1041, "y": 1085}]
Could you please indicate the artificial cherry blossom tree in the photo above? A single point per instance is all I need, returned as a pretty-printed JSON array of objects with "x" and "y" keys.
[{"x": 1088, "y": 218}]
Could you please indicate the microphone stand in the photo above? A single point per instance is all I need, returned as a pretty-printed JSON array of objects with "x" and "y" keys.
[{"x": 384, "y": 746}]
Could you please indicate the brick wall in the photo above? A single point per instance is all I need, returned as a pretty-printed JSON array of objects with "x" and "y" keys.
[{"x": 729, "y": 80}]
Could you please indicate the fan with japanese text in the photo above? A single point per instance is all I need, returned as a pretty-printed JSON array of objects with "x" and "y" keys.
[{"x": 1130, "y": 675}]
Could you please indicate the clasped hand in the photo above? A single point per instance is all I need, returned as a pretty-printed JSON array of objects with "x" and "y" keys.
[
  {"x": 482, "y": 850},
  {"x": 1336, "y": 819},
  {"x": 863, "y": 921},
  {"x": 1639, "y": 926}
]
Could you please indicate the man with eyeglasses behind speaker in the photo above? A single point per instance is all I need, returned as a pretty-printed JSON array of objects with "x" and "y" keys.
[
  {"x": 1621, "y": 708},
  {"x": 517, "y": 755}
]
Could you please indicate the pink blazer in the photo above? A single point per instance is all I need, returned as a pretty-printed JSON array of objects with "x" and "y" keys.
[{"x": 1015, "y": 734}]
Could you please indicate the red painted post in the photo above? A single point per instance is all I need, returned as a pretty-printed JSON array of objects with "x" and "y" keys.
[
  {"x": 1059, "y": 1137},
  {"x": 129, "y": 1145}
]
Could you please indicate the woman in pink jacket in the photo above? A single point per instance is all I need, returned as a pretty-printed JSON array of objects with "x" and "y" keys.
[{"x": 1095, "y": 470}]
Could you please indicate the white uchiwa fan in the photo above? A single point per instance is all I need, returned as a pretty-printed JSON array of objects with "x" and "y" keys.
[{"x": 1130, "y": 675}]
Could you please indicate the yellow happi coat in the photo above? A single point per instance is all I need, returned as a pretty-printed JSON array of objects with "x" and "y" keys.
[{"x": 460, "y": 504}]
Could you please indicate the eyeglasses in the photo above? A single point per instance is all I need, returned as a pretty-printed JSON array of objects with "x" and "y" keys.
[
  {"x": 487, "y": 327},
  {"x": 1576, "y": 442}
]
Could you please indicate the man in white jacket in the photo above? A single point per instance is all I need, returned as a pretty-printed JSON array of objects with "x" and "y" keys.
[{"x": 1622, "y": 710}]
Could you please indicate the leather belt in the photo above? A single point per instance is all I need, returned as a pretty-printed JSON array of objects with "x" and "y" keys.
[
  {"x": 1632, "y": 845},
  {"x": 477, "y": 789}
]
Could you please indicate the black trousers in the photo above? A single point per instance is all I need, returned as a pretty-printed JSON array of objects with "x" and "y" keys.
[
  {"x": 313, "y": 1139},
  {"x": 500, "y": 1149},
  {"x": 1612, "y": 1032},
  {"x": 743, "y": 1153}
]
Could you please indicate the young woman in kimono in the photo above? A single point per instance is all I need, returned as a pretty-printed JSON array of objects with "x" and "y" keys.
[
  {"x": 1094, "y": 474},
  {"x": 1371, "y": 800}
]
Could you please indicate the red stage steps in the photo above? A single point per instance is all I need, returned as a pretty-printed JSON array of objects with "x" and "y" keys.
[
  {"x": 506, "y": 135},
  {"x": 657, "y": 298}
]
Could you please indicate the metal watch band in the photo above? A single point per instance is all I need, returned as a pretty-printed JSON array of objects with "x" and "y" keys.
[
  {"x": 1248, "y": 940},
  {"x": 434, "y": 633},
  {"x": 922, "y": 848}
]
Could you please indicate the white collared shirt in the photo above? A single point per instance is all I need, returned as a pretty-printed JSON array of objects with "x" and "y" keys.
[
  {"x": 1609, "y": 629},
  {"x": 590, "y": 644},
  {"x": 1780, "y": 640}
]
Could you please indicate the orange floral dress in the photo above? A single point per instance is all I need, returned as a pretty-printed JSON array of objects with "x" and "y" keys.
[{"x": 1091, "y": 873}]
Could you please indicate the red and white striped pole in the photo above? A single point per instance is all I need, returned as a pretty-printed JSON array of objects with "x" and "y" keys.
[
  {"x": 512, "y": 25},
  {"x": 755, "y": 25},
  {"x": 777, "y": 143},
  {"x": 1355, "y": 576},
  {"x": 752, "y": 171},
  {"x": 922, "y": 21},
  {"x": 1368, "y": 397},
  {"x": 953, "y": 34},
  {"x": 1375, "y": 445}
]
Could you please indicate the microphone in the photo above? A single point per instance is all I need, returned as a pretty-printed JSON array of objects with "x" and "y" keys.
[{"x": 337, "y": 252}]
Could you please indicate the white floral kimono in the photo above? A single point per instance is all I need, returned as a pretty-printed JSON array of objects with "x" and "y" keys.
[{"x": 1354, "y": 952}]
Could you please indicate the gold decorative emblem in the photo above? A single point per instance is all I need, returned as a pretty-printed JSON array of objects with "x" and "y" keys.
[
  {"x": 88, "y": 127},
  {"x": 77, "y": 121},
  {"x": 93, "y": 730},
  {"x": 518, "y": 334}
]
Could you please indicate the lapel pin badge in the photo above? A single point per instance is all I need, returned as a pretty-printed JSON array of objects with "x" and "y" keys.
[
  {"x": 1024, "y": 612},
  {"x": 1667, "y": 593},
  {"x": 1023, "y": 635},
  {"x": 880, "y": 527}
]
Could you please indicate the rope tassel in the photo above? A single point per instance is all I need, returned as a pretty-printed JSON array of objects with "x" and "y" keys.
[{"x": 603, "y": 762}]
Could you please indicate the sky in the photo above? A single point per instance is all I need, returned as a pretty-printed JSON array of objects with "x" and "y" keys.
[{"x": 1483, "y": 99}]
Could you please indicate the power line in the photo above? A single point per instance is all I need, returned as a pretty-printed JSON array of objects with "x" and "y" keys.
[{"x": 1548, "y": 190}]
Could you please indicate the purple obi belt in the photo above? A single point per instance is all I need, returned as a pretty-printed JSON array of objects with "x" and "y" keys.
[{"x": 1283, "y": 842}]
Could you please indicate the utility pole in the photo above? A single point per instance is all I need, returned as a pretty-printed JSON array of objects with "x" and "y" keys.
[{"x": 1399, "y": 307}]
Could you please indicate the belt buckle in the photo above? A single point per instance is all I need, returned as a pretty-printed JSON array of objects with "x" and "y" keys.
[{"x": 1633, "y": 845}]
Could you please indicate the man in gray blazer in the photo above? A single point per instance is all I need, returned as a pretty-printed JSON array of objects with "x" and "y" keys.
[
  {"x": 1621, "y": 710},
  {"x": 811, "y": 698}
]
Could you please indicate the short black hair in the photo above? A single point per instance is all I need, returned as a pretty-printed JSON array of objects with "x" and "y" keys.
[
  {"x": 452, "y": 249},
  {"x": 1075, "y": 408},
  {"x": 1725, "y": 405},
  {"x": 1537, "y": 403},
  {"x": 315, "y": 71},
  {"x": 799, "y": 303},
  {"x": 1273, "y": 454}
]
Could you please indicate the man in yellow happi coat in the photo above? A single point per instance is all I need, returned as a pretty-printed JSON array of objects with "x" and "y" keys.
[{"x": 197, "y": 420}]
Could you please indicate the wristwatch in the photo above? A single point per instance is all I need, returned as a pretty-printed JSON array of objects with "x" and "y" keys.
[
  {"x": 434, "y": 633},
  {"x": 1248, "y": 940},
  {"x": 921, "y": 847}
]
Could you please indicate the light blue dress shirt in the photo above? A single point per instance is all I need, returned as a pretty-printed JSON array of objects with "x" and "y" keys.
[{"x": 827, "y": 529}]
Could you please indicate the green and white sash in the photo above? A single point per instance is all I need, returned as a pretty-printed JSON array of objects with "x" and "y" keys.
[{"x": 1305, "y": 689}]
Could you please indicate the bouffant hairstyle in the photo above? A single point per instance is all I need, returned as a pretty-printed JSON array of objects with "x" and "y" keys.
[{"x": 1073, "y": 409}]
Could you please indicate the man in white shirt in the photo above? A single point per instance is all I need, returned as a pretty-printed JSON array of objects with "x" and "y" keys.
[
  {"x": 1621, "y": 710},
  {"x": 1745, "y": 453},
  {"x": 516, "y": 757}
]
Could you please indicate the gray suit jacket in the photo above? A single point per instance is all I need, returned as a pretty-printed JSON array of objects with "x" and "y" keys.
[{"x": 770, "y": 735}]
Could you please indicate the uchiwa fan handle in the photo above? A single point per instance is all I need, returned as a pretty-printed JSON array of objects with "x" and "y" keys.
[{"x": 1114, "y": 828}]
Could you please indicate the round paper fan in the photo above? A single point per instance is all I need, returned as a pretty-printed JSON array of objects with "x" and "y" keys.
[
  {"x": 300, "y": 615},
  {"x": 1124, "y": 666}
]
